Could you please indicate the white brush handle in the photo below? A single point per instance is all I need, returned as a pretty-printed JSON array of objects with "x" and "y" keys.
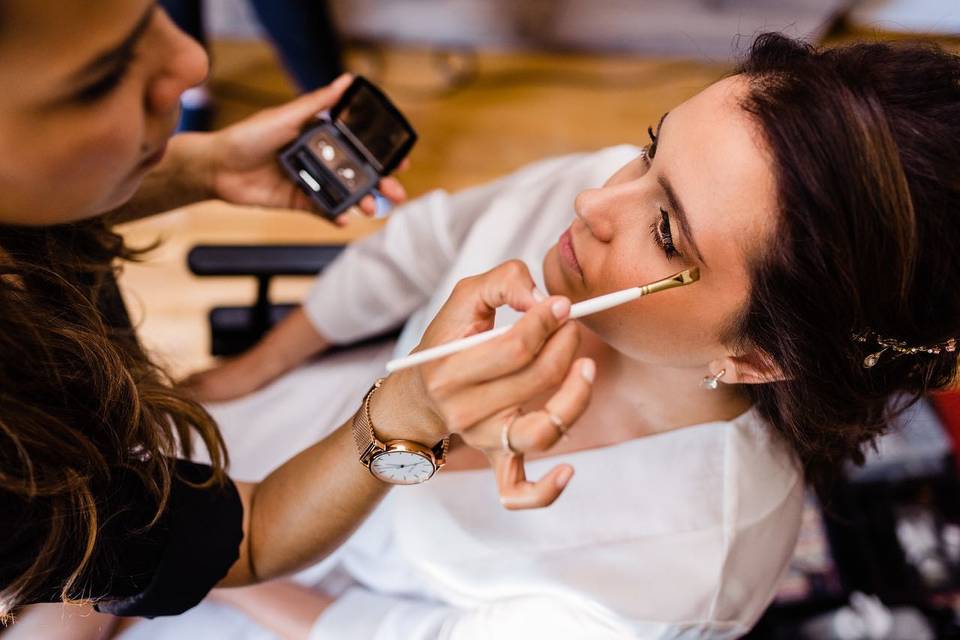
[{"x": 585, "y": 308}]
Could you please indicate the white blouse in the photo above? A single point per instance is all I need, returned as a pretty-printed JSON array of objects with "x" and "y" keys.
[
  {"x": 684, "y": 534},
  {"x": 681, "y": 534}
]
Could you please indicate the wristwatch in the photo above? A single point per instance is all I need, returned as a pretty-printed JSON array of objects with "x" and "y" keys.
[{"x": 395, "y": 461}]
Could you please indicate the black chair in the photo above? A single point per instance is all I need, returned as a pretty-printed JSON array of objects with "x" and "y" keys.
[{"x": 235, "y": 329}]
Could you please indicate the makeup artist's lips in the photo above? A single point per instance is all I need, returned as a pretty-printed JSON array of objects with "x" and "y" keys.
[
  {"x": 154, "y": 157},
  {"x": 567, "y": 253}
]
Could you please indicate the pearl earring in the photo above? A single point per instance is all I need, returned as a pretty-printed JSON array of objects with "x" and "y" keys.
[{"x": 712, "y": 382}]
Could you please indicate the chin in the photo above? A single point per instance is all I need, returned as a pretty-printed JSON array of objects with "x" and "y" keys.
[
  {"x": 121, "y": 195},
  {"x": 552, "y": 276}
]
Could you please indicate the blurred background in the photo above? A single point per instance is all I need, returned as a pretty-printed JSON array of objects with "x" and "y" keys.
[{"x": 491, "y": 85}]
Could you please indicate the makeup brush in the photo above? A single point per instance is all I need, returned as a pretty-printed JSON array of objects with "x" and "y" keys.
[{"x": 585, "y": 308}]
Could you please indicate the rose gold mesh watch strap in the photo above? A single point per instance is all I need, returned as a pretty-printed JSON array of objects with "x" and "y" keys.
[{"x": 366, "y": 438}]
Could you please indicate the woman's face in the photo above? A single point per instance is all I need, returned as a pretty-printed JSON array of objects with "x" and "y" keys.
[
  {"x": 90, "y": 95},
  {"x": 706, "y": 198}
]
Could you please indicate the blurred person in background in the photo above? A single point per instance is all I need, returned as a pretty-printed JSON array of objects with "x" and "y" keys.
[{"x": 302, "y": 32}]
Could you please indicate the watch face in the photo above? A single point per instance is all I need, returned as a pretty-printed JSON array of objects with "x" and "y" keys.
[{"x": 402, "y": 467}]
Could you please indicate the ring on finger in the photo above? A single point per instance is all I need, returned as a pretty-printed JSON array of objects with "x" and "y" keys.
[
  {"x": 557, "y": 422},
  {"x": 505, "y": 436}
]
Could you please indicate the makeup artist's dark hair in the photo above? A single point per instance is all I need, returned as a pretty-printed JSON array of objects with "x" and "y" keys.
[
  {"x": 80, "y": 405},
  {"x": 865, "y": 144}
]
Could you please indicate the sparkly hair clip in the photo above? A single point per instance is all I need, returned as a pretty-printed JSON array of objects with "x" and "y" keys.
[{"x": 900, "y": 348}]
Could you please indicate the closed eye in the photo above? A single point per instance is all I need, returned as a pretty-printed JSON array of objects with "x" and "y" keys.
[
  {"x": 103, "y": 86},
  {"x": 663, "y": 236}
]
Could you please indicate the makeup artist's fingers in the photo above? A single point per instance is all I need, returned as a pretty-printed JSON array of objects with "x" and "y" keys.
[
  {"x": 367, "y": 205},
  {"x": 464, "y": 405},
  {"x": 539, "y": 430},
  {"x": 508, "y": 353},
  {"x": 536, "y": 431},
  {"x": 508, "y": 284},
  {"x": 472, "y": 305},
  {"x": 516, "y": 492},
  {"x": 393, "y": 189},
  {"x": 294, "y": 113}
]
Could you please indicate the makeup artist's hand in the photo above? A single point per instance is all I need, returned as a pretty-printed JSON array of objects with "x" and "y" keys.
[
  {"x": 241, "y": 160},
  {"x": 476, "y": 392}
]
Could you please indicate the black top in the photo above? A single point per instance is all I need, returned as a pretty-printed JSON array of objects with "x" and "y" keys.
[
  {"x": 163, "y": 570},
  {"x": 135, "y": 569}
]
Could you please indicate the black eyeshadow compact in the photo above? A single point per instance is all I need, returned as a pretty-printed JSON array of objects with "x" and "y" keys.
[{"x": 340, "y": 158}]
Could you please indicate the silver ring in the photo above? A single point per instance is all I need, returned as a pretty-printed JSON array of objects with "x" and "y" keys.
[
  {"x": 505, "y": 436},
  {"x": 558, "y": 423}
]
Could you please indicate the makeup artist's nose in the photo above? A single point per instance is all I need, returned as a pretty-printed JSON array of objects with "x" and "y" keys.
[
  {"x": 595, "y": 208},
  {"x": 185, "y": 64}
]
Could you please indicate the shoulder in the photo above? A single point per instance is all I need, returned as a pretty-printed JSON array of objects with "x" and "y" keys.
[
  {"x": 763, "y": 502},
  {"x": 761, "y": 473},
  {"x": 174, "y": 563}
]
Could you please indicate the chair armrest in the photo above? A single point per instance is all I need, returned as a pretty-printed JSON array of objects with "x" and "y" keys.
[{"x": 261, "y": 261}]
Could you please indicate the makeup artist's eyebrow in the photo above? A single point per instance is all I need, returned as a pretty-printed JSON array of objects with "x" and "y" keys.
[
  {"x": 680, "y": 214},
  {"x": 116, "y": 55}
]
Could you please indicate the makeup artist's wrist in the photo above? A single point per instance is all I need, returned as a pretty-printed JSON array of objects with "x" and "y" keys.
[
  {"x": 196, "y": 164},
  {"x": 401, "y": 410}
]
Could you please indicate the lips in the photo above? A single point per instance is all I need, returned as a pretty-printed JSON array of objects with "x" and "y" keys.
[
  {"x": 567, "y": 253},
  {"x": 154, "y": 157}
]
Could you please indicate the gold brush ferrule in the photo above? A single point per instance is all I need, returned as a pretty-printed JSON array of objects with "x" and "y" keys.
[{"x": 676, "y": 280}]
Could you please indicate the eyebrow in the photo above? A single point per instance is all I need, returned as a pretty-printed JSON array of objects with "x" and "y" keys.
[
  {"x": 121, "y": 52},
  {"x": 679, "y": 212}
]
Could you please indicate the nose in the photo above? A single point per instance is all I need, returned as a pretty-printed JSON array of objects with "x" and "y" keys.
[
  {"x": 596, "y": 208},
  {"x": 185, "y": 65}
]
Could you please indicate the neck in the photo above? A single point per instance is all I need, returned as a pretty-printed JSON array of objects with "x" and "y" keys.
[
  {"x": 652, "y": 398},
  {"x": 631, "y": 399}
]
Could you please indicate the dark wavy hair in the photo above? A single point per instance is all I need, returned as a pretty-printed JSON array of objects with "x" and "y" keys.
[
  {"x": 865, "y": 144},
  {"x": 80, "y": 403}
]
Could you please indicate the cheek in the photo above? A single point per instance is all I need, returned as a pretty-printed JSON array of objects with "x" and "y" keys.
[
  {"x": 679, "y": 327},
  {"x": 676, "y": 328},
  {"x": 83, "y": 166}
]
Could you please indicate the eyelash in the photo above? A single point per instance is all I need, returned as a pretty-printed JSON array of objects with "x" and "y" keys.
[
  {"x": 105, "y": 85},
  {"x": 652, "y": 147},
  {"x": 660, "y": 229}
]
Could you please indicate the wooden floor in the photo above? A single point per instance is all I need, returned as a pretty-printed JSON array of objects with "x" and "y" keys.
[{"x": 517, "y": 108}]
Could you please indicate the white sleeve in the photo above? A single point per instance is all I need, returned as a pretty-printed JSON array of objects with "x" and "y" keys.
[
  {"x": 379, "y": 281},
  {"x": 360, "y": 613}
]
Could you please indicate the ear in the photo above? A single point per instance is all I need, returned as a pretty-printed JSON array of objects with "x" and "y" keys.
[{"x": 750, "y": 368}]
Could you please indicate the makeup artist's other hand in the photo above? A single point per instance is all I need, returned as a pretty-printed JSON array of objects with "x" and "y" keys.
[
  {"x": 476, "y": 392},
  {"x": 241, "y": 160}
]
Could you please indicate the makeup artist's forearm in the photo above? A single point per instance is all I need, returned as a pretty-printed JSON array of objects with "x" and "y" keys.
[
  {"x": 179, "y": 180},
  {"x": 304, "y": 509}
]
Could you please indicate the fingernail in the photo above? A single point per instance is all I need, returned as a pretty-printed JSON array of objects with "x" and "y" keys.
[
  {"x": 538, "y": 295},
  {"x": 507, "y": 502},
  {"x": 560, "y": 308},
  {"x": 564, "y": 477},
  {"x": 588, "y": 370}
]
